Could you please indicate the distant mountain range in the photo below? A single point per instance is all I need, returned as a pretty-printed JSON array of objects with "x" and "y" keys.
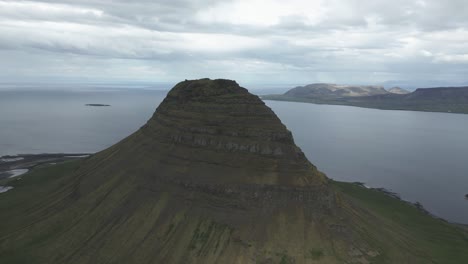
[
  {"x": 333, "y": 91},
  {"x": 440, "y": 99}
]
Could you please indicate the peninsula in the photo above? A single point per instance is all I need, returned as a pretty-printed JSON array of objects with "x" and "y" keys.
[
  {"x": 440, "y": 99},
  {"x": 97, "y": 105}
]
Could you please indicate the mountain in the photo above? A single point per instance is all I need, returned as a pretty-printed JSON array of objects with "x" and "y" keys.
[
  {"x": 440, "y": 99},
  {"x": 212, "y": 177},
  {"x": 331, "y": 91},
  {"x": 441, "y": 94},
  {"x": 398, "y": 90}
]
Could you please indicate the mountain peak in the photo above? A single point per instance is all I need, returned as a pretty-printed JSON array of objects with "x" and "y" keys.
[
  {"x": 218, "y": 122},
  {"x": 189, "y": 89}
]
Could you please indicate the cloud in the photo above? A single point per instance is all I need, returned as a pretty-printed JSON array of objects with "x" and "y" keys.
[
  {"x": 263, "y": 12},
  {"x": 123, "y": 41},
  {"x": 261, "y": 41}
]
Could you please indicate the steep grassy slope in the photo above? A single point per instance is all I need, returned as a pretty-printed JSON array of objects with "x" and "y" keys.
[
  {"x": 401, "y": 225},
  {"x": 399, "y": 232},
  {"x": 213, "y": 177}
]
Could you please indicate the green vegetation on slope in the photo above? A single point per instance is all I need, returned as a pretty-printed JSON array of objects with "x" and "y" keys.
[
  {"x": 408, "y": 227},
  {"x": 32, "y": 200},
  {"x": 391, "y": 225}
]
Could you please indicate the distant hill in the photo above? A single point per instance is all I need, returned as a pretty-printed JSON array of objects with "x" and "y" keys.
[
  {"x": 440, "y": 94},
  {"x": 398, "y": 90},
  {"x": 440, "y": 99},
  {"x": 329, "y": 91}
]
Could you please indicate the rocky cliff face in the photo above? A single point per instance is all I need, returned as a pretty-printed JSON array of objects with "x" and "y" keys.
[{"x": 217, "y": 124}]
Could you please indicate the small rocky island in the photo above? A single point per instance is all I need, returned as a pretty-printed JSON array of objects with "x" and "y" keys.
[{"x": 97, "y": 105}]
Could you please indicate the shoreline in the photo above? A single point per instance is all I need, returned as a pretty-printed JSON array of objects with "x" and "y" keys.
[
  {"x": 395, "y": 195},
  {"x": 415, "y": 204},
  {"x": 299, "y": 100},
  {"x": 10, "y": 165}
]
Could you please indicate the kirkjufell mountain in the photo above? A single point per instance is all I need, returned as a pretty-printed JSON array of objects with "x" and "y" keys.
[{"x": 212, "y": 177}]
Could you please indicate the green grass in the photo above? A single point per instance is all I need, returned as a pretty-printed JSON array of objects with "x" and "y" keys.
[
  {"x": 26, "y": 204},
  {"x": 406, "y": 226},
  {"x": 37, "y": 183},
  {"x": 316, "y": 253},
  {"x": 392, "y": 226}
]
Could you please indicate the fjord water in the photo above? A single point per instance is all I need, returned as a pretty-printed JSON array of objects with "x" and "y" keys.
[
  {"x": 50, "y": 121},
  {"x": 422, "y": 156}
]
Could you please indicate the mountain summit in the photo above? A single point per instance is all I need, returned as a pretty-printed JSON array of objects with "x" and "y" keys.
[
  {"x": 226, "y": 136},
  {"x": 213, "y": 177}
]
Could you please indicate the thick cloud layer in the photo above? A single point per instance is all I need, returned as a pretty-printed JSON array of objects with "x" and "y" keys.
[{"x": 253, "y": 41}]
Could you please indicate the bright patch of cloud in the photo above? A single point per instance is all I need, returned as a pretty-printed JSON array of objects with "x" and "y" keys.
[
  {"x": 38, "y": 10},
  {"x": 292, "y": 41},
  {"x": 264, "y": 12}
]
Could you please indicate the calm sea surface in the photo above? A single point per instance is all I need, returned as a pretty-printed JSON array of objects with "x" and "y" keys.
[
  {"x": 421, "y": 156},
  {"x": 58, "y": 122}
]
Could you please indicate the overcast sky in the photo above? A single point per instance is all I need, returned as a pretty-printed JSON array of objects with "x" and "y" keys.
[{"x": 252, "y": 41}]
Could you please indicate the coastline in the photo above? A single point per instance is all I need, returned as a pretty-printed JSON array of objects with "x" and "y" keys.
[
  {"x": 360, "y": 105},
  {"x": 16, "y": 165},
  {"x": 396, "y": 196}
]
